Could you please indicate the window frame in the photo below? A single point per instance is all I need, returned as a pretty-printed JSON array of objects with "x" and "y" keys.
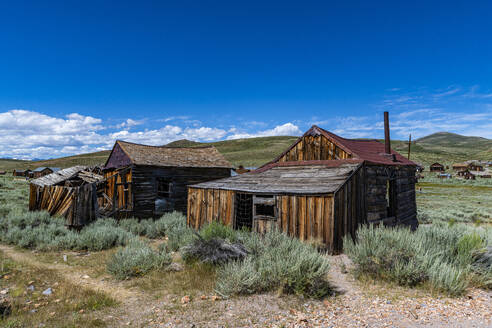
[
  {"x": 265, "y": 200},
  {"x": 170, "y": 188}
]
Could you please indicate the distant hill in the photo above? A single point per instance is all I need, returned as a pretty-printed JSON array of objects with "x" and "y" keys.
[
  {"x": 447, "y": 139},
  {"x": 183, "y": 143},
  {"x": 438, "y": 147}
]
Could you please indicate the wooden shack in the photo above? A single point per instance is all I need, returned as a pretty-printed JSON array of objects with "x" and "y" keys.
[
  {"x": 72, "y": 193},
  {"x": 42, "y": 171},
  {"x": 151, "y": 180},
  {"x": 475, "y": 167},
  {"x": 21, "y": 173},
  {"x": 321, "y": 188},
  {"x": 436, "y": 167},
  {"x": 460, "y": 167}
]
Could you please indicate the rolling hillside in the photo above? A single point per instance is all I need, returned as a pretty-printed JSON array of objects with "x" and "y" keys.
[{"x": 438, "y": 147}]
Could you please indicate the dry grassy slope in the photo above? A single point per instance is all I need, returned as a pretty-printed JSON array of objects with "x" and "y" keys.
[{"x": 439, "y": 147}]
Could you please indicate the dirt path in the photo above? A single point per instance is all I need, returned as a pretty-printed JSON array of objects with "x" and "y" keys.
[
  {"x": 73, "y": 275},
  {"x": 356, "y": 304}
]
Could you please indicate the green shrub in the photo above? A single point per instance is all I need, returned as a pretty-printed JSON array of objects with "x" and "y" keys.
[
  {"x": 178, "y": 233},
  {"x": 277, "y": 262},
  {"x": 236, "y": 278},
  {"x": 100, "y": 236},
  {"x": 216, "y": 230},
  {"x": 439, "y": 254},
  {"x": 148, "y": 227},
  {"x": 136, "y": 259}
]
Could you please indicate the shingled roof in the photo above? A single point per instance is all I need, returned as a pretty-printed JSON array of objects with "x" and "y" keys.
[
  {"x": 138, "y": 154},
  {"x": 305, "y": 177}
]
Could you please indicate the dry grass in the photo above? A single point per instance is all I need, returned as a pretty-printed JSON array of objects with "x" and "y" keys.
[{"x": 67, "y": 306}]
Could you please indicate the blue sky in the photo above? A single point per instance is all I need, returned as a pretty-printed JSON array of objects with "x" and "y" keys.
[{"x": 76, "y": 75}]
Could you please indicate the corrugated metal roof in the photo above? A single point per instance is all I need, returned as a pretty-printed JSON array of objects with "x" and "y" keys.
[
  {"x": 174, "y": 156},
  {"x": 308, "y": 177}
]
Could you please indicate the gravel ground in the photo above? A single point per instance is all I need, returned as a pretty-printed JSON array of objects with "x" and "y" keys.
[{"x": 358, "y": 304}]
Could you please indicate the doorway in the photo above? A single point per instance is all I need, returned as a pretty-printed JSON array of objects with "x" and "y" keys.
[{"x": 243, "y": 211}]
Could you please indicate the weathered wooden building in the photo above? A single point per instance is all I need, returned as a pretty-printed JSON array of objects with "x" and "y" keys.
[
  {"x": 321, "y": 188},
  {"x": 151, "y": 180},
  {"x": 436, "y": 167},
  {"x": 75, "y": 193},
  {"x": 460, "y": 166},
  {"x": 42, "y": 171},
  {"x": 475, "y": 167},
  {"x": 21, "y": 173}
]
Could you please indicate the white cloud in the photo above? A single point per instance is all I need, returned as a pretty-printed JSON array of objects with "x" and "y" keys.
[
  {"x": 287, "y": 129},
  {"x": 129, "y": 123},
  {"x": 27, "y": 134}
]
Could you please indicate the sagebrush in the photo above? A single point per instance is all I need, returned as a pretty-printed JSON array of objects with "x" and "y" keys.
[{"x": 440, "y": 255}]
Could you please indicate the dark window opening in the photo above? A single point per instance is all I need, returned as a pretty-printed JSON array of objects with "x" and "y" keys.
[
  {"x": 164, "y": 188},
  {"x": 265, "y": 210},
  {"x": 244, "y": 211},
  {"x": 264, "y": 196}
]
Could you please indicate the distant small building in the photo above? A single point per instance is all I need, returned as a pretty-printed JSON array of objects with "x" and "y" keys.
[
  {"x": 460, "y": 166},
  {"x": 436, "y": 167},
  {"x": 475, "y": 167},
  {"x": 2, "y": 172},
  {"x": 21, "y": 173},
  {"x": 466, "y": 174},
  {"x": 42, "y": 171}
]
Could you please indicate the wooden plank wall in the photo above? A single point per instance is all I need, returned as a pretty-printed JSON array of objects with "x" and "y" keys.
[
  {"x": 56, "y": 200},
  {"x": 207, "y": 205},
  {"x": 307, "y": 217},
  {"x": 115, "y": 190},
  {"x": 350, "y": 209},
  {"x": 145, "y": 185},
  {"x": 404, "y": 178},
  {"x": 314, "y": 148},
  {"x": 304, "y": 217}
]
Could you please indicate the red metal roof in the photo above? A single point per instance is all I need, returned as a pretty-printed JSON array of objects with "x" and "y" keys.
[{"x": 369, "y": 151}]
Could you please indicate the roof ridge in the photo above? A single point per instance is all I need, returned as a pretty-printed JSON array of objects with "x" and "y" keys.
[{"x": 164, "y": 146}]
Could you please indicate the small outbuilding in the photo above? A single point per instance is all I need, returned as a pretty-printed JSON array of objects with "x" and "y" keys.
[
  {"x": 475, "y": 167},
  {"x": 21, "y": 173},
  {"x": 436, "y": 167},
  {"x": 3, "y": 172},
  {"x": 320, "y": 189},
  {"x": 147, "y": 181},
  {"x": 460, "y": 166},
  {"x": 74, "y": 193},
  {"x": 42, "y": 171}
]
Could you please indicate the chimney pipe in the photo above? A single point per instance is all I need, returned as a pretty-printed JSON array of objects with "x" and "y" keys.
[{"x": 387, "y": 145}]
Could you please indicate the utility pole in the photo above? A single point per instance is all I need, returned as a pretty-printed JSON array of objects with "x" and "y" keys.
[{"x": 409, "y": 145}]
